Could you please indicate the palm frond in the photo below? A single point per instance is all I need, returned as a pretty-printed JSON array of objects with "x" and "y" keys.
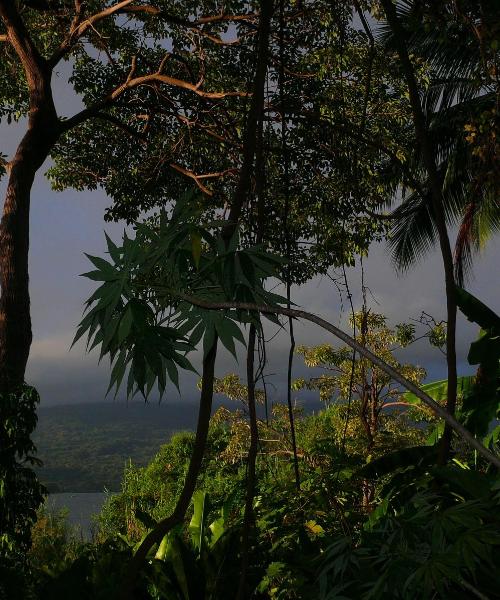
[{"x": 414, "y": 232}]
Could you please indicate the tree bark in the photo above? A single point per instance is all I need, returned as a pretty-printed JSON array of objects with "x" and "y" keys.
[{"x": 41, "y": 135}]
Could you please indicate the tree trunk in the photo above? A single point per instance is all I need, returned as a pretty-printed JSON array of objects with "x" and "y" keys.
[
  {"x": 165, "y": 526},
  {"x": 42, "y": 133},
  {"x": 15, "y": 320},
  {"x": 248, "y": 519},
  {"x": 429, "y": 158}
]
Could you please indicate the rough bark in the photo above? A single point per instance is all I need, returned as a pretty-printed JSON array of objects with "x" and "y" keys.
[{"x": 41, "y": 135}]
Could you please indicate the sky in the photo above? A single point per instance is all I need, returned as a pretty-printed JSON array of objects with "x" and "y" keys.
[{"x": 66, "y": 224}]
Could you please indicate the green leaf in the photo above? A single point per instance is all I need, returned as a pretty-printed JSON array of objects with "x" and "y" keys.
[
  {"x": 196, "y": 247},
  {"x": 197, "y": 524},
  {"x": 438, "y": 390},
  {"x": 102, "y": 265},
  {"x": 485, "y": 349},
  {"x": 225, "y": 333},
  {"x": 185, "y": 569},
  {"x": 125, "y": 325},
  {"x": 173, "y": 373},
  {"x": 476, "y": 311},
  {"x": 113, "y": 249},
  {"x": 245, "y": 266},
  {"x": 400, "y": 459},
  {"x": 197, "y": 334}
]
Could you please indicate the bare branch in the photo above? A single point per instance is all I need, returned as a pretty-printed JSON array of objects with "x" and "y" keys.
[
  {"x": 160, "y": 78},
  {"x": 197, "y": 178}
]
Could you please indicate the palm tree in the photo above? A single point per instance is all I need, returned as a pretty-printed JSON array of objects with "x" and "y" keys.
[{"x": 460, "y": 104}]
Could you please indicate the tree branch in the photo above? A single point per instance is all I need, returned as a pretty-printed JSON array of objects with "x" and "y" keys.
[
  {"x": 163, "y": 527},
  {"x": 79, "y": 26},
  {"x": 197, "y": 178},
  {"x": 120, "y": 125},
  {"x": 34, "y": 64},
  {"x": 166, "y": 79},
  {"x": 363, "y": 351},
  {"x": 132, "y": 82}
]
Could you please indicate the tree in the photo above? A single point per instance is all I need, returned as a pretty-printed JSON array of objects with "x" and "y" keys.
[
  {"x": 124, "y": 84},
  {"x": 172, "y": 109},
  {"x": 372, "y": 388},
  {"x": 457, "y": 46},
  {"x": 360, "y": 385},
  {"x": 20, "y": 491}
]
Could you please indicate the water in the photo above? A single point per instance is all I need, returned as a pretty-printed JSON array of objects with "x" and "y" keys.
[{"x": 81, "y": 507}]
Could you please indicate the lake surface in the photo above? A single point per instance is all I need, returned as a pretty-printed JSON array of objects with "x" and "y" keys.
[{"x": 81, "y": 507}]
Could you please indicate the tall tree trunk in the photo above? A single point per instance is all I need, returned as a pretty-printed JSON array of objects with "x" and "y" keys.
[
  {"x": 252, "y": 456},
  {"x": 165, "y": 525},
  {"x": 239, "y": 199},
  {"x": 41, "y": 135},
  {"x": 429, "y": 159},
  {"x": 15, "y": 320}
]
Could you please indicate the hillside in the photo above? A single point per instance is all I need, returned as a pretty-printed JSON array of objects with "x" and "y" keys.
[{"x": 84, "y": 447}]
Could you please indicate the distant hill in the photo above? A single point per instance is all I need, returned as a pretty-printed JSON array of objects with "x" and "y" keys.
[{"x": 85, "y": 447}]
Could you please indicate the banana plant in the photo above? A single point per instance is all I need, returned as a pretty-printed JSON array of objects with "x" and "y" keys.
[
  {"x": 203, "y": 566},
  {"x": 480, "y": 393}
]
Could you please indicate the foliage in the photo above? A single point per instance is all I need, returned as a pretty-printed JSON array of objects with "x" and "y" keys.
[
  {"x": 432, "y": 531},
  {"x": 437, "y": 540},
  {"x": 354, "y": 380},
  {"x": 478, "y": 395},
  {"x": 55, "y": 545},
  {"x": 482, "y": 404},
  {"x": 20, "y": 492},
  {"x": 373, "y": 516},
  {"x": 459, "y": 98},
  {"x": 84, "y": 447},
  {"x": 373, "y": 333},
  {"x": 137, "y": 315}
]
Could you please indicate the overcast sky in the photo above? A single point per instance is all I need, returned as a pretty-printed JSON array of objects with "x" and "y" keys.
[{"x": 66, "y": 224}]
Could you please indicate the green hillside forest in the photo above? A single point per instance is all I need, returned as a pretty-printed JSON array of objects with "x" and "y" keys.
[
  {"x": 255, "y": 157},
  {"x": 84, "y": 447}
]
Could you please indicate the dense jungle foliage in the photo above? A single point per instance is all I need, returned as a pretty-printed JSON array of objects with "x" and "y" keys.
[
  {"x": 427, "y": 532},
  {"x": 252, "y": 146}
]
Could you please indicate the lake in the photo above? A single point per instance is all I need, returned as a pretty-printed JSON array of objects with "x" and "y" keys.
[{"x": 81, "y": 507}]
